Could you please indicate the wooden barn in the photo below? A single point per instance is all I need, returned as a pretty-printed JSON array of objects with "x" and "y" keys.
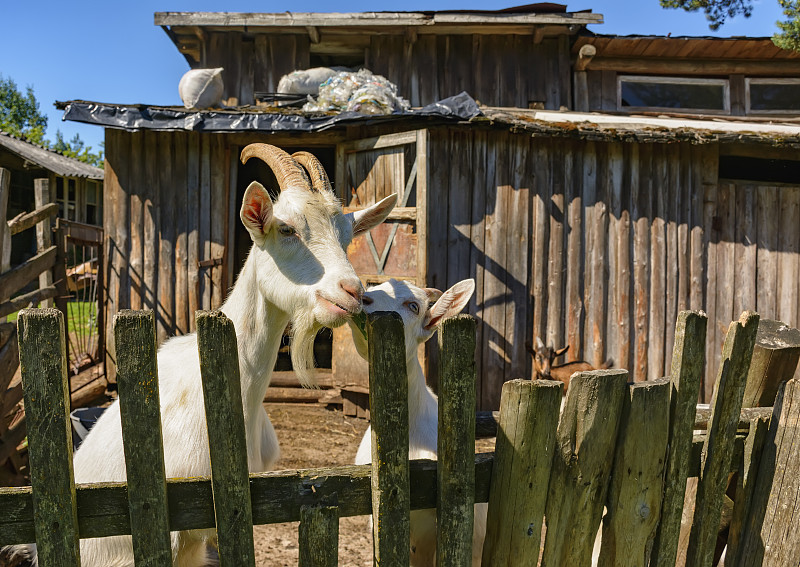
[{"x": 605, "y": 183}]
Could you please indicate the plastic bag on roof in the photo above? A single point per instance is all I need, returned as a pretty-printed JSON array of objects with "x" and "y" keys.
[
  {"x": 307, "y": 81},
  {"x": 361, "y": 92}
]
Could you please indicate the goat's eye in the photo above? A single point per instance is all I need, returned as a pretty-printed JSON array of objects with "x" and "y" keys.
[
  {"x": 286, "y": 230},
  {"x": 414, "y": 306}
]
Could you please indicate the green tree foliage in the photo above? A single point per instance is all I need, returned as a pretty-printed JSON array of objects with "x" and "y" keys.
[
  {"x": 19, "y": 113},
  {"x": 717, "y": 11},
  {"x": 21, "y": 117}
]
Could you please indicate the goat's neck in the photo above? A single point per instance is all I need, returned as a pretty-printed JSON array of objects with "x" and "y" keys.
[
  {"x": 259, "y": 328},
  {"x": 422, "y": 404}
]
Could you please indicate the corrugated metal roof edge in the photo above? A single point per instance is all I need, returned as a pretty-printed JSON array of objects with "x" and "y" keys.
[{"x": 71, "y": 166}]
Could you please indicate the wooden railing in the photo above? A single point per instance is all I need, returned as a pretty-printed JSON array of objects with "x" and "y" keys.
[{"x": 624, "y": 448}]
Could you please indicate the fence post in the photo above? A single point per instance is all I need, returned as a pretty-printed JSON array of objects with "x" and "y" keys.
[
  {"x": 526, "y": 436},
  {"x": 584, "y": 455},
  {"x": 319, "y": 536},
  {"x": 44, "y": 377},
  {"x": 688, "y": 360},
  {"x": 634, "y": 497},
  {"x": 41, "y": 194},
  {"x": 718, "y": 447},
  {"x": 388, "y": 387},
  {"x": 456, "y": 442},
  {"x": 222, "y": 394},
  {"x": 140, "y": 411}
]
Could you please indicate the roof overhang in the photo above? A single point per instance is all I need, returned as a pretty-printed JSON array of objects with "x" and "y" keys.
[{"x": 48, "y": 159}]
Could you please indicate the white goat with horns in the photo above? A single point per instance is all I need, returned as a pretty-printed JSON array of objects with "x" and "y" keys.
[
  {"x": 422, "y": 310},
  {"x": 297, "y": 271}
]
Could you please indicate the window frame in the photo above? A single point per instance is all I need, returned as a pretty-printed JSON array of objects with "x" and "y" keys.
[
  {"x": 726, "y": 93},
  {"x": 766, "y": 81}
]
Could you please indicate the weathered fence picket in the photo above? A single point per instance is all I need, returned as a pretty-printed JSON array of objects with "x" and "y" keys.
[
  {"x": 524, "y": 451},
  {"x": 222, "y": 395},
  {"x": 626, "y": 448},
  {"x": 140, "y": 411},
  {"x": 44, "y": 376},
  {"x": 456, "y": 442},
  {"x": 388, "y": 385}
]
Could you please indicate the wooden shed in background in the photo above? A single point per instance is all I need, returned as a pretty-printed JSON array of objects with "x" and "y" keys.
[{"x": 591, "y": 230}]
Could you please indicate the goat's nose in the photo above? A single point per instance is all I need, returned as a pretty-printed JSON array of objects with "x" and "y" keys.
[{"x": 352, "y": 289}]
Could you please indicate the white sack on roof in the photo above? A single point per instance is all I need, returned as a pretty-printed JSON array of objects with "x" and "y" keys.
[
  {"x": 201, "y": 88},
  {"x": 307, "y": 81},
  {"x": 360, "y": 92}
]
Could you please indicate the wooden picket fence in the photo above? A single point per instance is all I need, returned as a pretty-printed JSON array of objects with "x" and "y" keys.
[{"x": 628, "y": 448}]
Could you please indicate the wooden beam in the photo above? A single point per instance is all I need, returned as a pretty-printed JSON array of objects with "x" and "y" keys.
[
  {"x": 313, "y": 33},
  {"x": 22, "y": 301},
  {"x": 14, "y": 280},
  {"x": 27, "y": 220},
  {"x": 44, "y": 232},
  {"x": 585, "y": 56},
  {"x": 775, "y": 357},
  {"x": 661, "y": 66}
]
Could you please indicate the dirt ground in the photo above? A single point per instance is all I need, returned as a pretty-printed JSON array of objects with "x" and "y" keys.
[{"x": 310, "y": 436}]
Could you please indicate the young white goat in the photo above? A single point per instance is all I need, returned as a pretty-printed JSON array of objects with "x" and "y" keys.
[
  {"x": 421, "y": 317},
  {"x": 297, "y": 271}
]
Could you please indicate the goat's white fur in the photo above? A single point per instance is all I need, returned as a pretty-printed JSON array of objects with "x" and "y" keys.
[
  {"x": 420, "y": 322},
  {"x": 300, "y": 277}
]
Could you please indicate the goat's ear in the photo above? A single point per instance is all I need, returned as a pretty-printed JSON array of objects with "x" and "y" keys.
[
  {"x": 539, "y": 344},
  {"x": 256, "y": 213},
  {"x": 561, "y": 351},
  {"x": 450, "y": 303},
  {"x": 433, "y": 293},
  {"x": 367, "y": 219}
]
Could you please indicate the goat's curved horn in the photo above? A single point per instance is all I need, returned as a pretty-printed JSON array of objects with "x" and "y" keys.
[
  {"x": 287, "y": 170},
  {"x": 319, "y": 179}
]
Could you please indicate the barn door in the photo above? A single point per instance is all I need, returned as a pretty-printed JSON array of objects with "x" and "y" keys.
[{"x": 367, "y": 171}]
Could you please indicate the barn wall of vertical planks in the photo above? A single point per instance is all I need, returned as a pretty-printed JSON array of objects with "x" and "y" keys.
[{"x": 593, "y": 244}]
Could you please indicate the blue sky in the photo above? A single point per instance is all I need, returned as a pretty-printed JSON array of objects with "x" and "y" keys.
[{"x": 111, "y": 52}]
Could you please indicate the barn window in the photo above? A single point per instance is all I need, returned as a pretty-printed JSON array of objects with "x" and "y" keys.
[
  {"x": 92, "y": 204},
  {"x": 673, "y": 93},
  {"x": 66, "y": 197},
  {"x": 773, "y": 96}
]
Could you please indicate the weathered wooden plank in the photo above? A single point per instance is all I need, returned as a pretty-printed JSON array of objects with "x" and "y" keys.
[
  {"x": 517, "y": 265},
  {"x": 745, "y": 487},
  {"x": 581, "y": 466},
  {"x": 5, "y": 233},
  {"x": 482, "y": 171},
  {"x": 698, "y": 243},
  {"x": 683, "y": 205},
  {"x": 659, "y": 185},
  {"x": 718, "y": 448},
  {"x": 194, "y": 254},
  {"x": 745, "y": 238},
  {"x": 634, "y": 496},
  {"x": 672, "y": 192},
  {"x": 151, "y": 215},
  {"x": 388, "y": 386},
  {"x": 540, "y": 235},
  {"x": 612, "y": 186},
  {"x": 775, "y": 357},
  {"x": 222, "y": 394},
  {"x": 526, "y": 438},
  {"x": 770, "y": 532},
  {"x": 15, "y": 279},
  {"x": 277, "y": 497},
  {"x": 219, "y": 219},
  {"x": 136, "y": 189},
  {"x": 641, "y": 214},
  {"x": 181, "y": 203},
  {"x": 725, "y": 248},
  {"x": 624, "y": 280},
  {"x": 686, "y": 376},
  {"x": 43, "y": 211},
  {"x": 319, "y": 536},
  {"x": 33, "y": 297},
  {"x": 247, "y": 71},
  {"x": 596, "y": 258},
  {"x": 789, "y": 246},
  {"x": 456, "y": 442},
  {"x": 713, "y": 342},
  {"x": 204, "y": 221},
  {"x": 767, "y": 250},
  {"x": 165, "y": 237},
  {"x": 140, "y": 411},
  {"x": 573, "y": 164},
  {"x": 44, "y": 377},
  {"x": 555, "y": 253},
  {"x": 44, "y": 232}
]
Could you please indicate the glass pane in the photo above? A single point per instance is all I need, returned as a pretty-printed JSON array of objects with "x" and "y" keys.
[
  {"x": 774, "y": 96},
  {"x": 91, "y": 193},
  {"x": 91, "y": 212},
  {"x": 71, "y": 189},
  {"x": 71, "y": 211},
  {"x": 673, "y": 95},
  {"x": 59, "y": 189}
]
